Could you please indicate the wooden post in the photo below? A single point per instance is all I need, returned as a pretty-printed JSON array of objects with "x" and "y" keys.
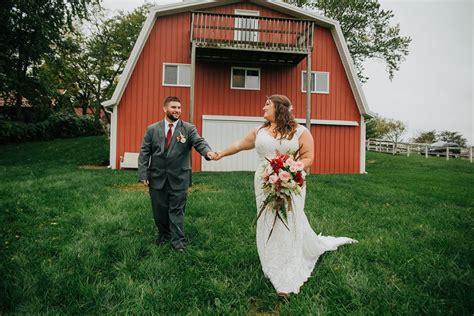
[
  {"x": 426, "y": 151},
  {"x": 447, "y": 153},
  {"x": 408, "y": 150},
  {"x": 308, "y": 95},
  {"x": 308, "y": 91},
  {"x": 470, "y": 154},
  {"x": 191, "y": 90},
  {"x": 393, "y": 148},
  {"x": 191, "y": 101}
]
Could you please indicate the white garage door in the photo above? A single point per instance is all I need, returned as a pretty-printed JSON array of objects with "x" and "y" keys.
[{"x": 222, "y": 131}]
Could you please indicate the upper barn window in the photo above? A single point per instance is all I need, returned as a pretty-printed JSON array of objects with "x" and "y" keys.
[
  {"x": 177, "y": 75},
  {"x": 244, "y": 26},
  {"x": 319, "y": 82}
]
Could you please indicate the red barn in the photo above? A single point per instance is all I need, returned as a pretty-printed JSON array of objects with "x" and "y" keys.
[{"x": 222, "y": 58}]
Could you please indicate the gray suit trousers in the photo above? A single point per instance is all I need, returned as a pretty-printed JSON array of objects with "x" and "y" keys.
[{"x": 168, "y": 212}]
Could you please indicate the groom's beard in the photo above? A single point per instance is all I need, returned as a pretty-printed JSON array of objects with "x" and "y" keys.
[{"x": 171, "y": 117}]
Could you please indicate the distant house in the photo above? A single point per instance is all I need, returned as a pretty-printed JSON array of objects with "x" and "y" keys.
[
  {"x": 89, "y": 111},
  {"x": 25, "y": 103},
  {"x": 222, "y": 58}
]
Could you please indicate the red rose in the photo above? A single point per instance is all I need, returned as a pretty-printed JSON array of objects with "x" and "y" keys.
[
  {"x": 276, "y": 164},
  {"x": 299, "y": 179}
]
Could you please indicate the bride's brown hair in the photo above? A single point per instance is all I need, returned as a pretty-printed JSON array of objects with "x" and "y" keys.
[{"x": 285, "y": 122}]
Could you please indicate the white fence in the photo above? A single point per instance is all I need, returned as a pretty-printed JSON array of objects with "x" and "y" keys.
[{"x": 419, "y": 149}]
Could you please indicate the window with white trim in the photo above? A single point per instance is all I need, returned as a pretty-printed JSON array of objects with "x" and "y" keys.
[
  {"x": 245, "y": 78},
  {"x": 244, "y": 26},
  {"x": 177, "y": 75},
  {"x": 319, "y": 82}
]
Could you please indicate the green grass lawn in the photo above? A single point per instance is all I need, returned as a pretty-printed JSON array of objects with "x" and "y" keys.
[{"x": 75, "y": 241}]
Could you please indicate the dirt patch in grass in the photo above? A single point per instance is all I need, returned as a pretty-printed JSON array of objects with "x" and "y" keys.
[
  {"x": 134, "y": 187},
  {"x": 92, "y": 167},
  {"x": 138, "y": 187},
  {"x": 202, "y": 187}
]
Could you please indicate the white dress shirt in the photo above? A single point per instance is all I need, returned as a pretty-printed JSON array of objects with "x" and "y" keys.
[{"x": 167, "y": 126}]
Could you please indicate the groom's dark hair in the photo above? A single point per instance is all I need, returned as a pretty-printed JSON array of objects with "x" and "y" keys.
[{"x": 171, "y": 99}]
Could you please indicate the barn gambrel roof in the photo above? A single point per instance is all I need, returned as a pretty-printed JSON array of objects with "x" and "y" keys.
[{"x": 275, "y": 5}]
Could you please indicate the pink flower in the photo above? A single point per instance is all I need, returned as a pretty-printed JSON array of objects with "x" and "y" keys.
[
  {"x": 299, "y": 165},
  {"x": 273, "y": 178},
  {"x": 284, "y": 176},
  {"x": 293, "y": 168}
]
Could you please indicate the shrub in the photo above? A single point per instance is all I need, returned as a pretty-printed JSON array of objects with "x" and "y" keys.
[{"x": 58, "y": 125}]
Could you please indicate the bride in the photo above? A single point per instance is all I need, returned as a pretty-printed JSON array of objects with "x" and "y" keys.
[{"x": 289, "y": 256}]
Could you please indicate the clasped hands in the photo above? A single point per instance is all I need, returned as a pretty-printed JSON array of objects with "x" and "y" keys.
[{"x": 214, "y": 155}]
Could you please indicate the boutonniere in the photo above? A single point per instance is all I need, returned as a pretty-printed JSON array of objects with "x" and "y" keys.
[{"x": 181, "y": 138}]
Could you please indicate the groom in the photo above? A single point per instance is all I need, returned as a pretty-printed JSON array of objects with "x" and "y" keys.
[{"x": 164, "y": 166}]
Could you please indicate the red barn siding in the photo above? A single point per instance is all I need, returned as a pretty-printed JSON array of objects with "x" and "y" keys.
[
  {"x": 142, "y": 101},
  {"x": 336, "y": 147}
]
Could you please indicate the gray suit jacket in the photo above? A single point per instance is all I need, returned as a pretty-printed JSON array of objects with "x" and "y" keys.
[{"x": 157, "y": 165}]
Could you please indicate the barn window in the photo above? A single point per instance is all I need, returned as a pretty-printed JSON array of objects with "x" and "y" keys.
[
  {"x": 177, "y": 75},
  {"x": 244, "y": 26},
  {"x": 319, "y": 82},
  {"x": 245, "y": 78}
]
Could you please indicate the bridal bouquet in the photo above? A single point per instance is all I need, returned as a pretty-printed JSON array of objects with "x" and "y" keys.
[{"x": 282, "y": 176}]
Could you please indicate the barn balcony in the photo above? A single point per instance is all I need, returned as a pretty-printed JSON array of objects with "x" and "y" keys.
[{"x": 250, "y": 39}]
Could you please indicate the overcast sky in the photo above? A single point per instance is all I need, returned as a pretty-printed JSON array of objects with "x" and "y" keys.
[{"x": 434, "y": 87}]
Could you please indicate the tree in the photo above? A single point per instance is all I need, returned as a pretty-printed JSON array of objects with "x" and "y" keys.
[
  {"x": 445, "y": 136},
  {"x": 377, "y": 127},
  {"x": 29, "y": 31},
  {"x": 89, "y": 66},
  {"x": 452, "y": 137},
  {"x": 367, "y": 30},
  {"x": 387, "y": 129},
  {"x": 426, "y": 137},
  {"x": 395, "y": 131},
  {"x": 374, "y": 128}
]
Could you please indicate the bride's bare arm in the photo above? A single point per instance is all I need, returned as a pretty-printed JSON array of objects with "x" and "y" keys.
[
  {"x": 246, "y": 143},
  {"x": 307, "y": 148}
]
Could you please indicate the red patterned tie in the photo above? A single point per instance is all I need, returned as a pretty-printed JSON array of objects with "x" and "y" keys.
[{"x": 168, "y": 135}]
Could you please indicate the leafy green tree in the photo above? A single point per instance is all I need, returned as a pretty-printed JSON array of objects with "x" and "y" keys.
[
  {"x": 383, "y": 128},
  {"x": 29, "y": 31},
  {"x": 372, "y": 128},
  {"x": 88, "y": 67},
  {"x": 367, "y": 30},
  {"x": 452, "y": 137},
  {"x": 376, "y": 127},
  {"x": 426, "y": 137},
  {"x": 445, "y": 136},
  {"x": 395, "y": 131}
]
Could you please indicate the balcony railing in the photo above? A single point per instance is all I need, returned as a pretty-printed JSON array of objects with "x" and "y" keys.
[{"x": 216, "y": 30}]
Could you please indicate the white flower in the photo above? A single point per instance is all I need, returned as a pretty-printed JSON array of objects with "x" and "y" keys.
[{"x": 268, "y": 170}]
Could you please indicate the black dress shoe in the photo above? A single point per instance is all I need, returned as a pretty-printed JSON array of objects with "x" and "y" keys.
[{"x": 161, "y": 242}]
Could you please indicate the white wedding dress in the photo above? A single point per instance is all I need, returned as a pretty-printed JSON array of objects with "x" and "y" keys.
[{"x": 289, "y": 256}]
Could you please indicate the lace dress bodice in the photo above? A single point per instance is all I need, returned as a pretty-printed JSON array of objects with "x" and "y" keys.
[{"x": 267, "y": 146}]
